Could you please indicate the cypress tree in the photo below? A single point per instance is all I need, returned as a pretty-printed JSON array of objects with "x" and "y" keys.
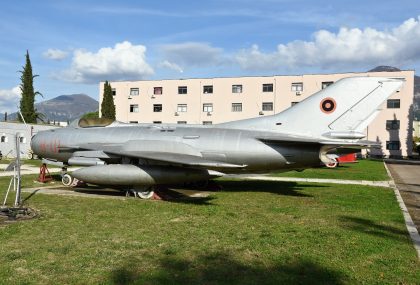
[
  {"x": 107, "y": 105},
  {"x": 27, "y": 101}
]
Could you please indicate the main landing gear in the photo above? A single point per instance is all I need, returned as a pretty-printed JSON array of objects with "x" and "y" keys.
[{"x": 146, "y": 192}]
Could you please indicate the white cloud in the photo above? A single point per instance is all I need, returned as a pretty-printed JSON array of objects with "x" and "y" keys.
[
  {"x": 254, "y": 59},
  {"x": 192, "y": 54},
  {"x": 171, "y": 65},
  {"x": 122, "y": 62},
  {"x": 9, "y": 99},
  {"x": 346, "y": 48},
  {"x": 55, "y": 54}
]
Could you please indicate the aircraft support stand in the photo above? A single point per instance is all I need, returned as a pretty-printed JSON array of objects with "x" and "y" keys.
[
  {"x": 12, "y": 212},
  {"x": 44, "y": 174}
]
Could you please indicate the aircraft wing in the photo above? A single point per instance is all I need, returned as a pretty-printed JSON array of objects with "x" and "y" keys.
[
  {"x": 170, "y": 152},
  {"x": 291, "y": 139}
]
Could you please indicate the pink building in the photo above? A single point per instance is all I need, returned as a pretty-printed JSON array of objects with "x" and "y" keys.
[{"x": 217, "y": 100}]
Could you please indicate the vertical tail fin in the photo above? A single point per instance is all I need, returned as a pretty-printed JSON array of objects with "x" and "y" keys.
[{"x": 345, "y": 107}]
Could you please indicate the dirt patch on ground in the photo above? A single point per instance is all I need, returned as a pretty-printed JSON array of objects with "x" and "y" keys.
[{"x": 10, "y": 215}]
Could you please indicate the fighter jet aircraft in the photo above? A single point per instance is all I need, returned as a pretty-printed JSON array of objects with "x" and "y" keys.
[{"x": 142, "y": 156}]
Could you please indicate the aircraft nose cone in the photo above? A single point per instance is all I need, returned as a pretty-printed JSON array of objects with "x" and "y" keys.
[{"x": 35, "y": 144}]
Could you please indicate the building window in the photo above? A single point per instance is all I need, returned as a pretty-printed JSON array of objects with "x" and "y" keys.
[
  {"x": 236, "y": 88},
  {"x": 181, "y": 122},
  {"x": 208, "y": 89},
  {"x": 22, "y": 139},
  {"x": 181, "y": 108},
  {"x": 297, "y": 86},
  {"x": 294, "y": 103},
  {"x": 157, "y": 90},
  {"x": 392, "y": 124},
  {"x": 3, "y": 139},
  {"x": 393, "y": 145},
  {"x": 134, "y": 92},
  {"x": 114, "y": 91},
  {"x": 267, "y": 106},
  {"x": 134, "y": 108},
  {"x": 236, "y": 107},
  {"x": 207, "y": 122},
  {"x": 393, "y": 103},
  {"x": 208, "y": 107},
  {"x": 326, "y": 84},
  {"x": 267, "y": 87},
  {"x": 157, "y": 107},
  {"x": 182, "y": 90},
  {"x": 134, "y": 122},
  {"x": 157, "y": 122}
]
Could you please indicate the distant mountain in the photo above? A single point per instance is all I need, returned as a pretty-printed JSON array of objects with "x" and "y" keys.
[
  {"x": 63, "y": 108},
  {"x": 67, "y": 107},
  {"x": 384, "y": 68}
]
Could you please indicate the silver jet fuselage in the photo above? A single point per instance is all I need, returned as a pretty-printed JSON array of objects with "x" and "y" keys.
[
  {"x": 300, "y": 137},
  {"x": 230, "y": 146}
]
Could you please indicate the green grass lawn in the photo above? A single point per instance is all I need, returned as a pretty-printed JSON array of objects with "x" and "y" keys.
[
  {"x": 253, "y": 232},
  {"x": 362, "y": 170},
  {"x": 34, "y": 162}
]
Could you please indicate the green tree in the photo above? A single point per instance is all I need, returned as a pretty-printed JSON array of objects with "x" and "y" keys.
[
  {"x": 107, "y": 106},
  {"x": 91, "y": 115},
  {"x": 27, "y": 101}
]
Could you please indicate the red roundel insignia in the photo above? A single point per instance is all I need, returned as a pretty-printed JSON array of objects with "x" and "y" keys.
[{"x": 328, "y": 105}]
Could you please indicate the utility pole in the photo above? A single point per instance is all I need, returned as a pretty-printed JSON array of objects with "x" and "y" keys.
[{"x": 18, "y": 190}]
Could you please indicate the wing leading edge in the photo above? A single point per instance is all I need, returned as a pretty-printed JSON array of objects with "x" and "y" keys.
[{"x": 154, "y": 150}]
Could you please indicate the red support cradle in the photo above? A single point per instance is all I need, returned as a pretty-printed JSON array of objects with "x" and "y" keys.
[{"x": 44, "y": 174}]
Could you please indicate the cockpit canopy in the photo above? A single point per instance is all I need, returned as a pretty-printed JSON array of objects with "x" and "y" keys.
[{"x": 91, "y": 122}]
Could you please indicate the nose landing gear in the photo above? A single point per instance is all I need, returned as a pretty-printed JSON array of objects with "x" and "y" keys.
[{"x": 67, "y": 179}]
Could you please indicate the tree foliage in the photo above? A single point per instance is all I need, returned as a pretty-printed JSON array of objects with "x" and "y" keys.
[
  {"x": 91, "y": 115},
  {"x": 27, "y": 101},
  {"x": 107, "y": 106}
]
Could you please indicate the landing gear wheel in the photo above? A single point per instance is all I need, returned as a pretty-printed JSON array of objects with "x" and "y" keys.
[
  {"x": 332, "y": 164},
  {"x": 145, "y": 194},
  {"x": 67, "y": 180},
  {"x": 142, "y": 193}
]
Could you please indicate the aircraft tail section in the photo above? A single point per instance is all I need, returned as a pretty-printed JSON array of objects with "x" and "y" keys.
[{"x": 341, "y": 111}]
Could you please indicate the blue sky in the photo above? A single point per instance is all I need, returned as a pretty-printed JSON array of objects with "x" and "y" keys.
[{"x": 75, "y": 44}]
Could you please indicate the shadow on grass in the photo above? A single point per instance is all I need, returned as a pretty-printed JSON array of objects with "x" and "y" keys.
[
  {"x": 166, "y": 194},
  {"x": 275, "y": 187},
  {"x": 29, "y": 196},
  {"x": 95, "y": 190},
  {"x": 222, "y": 268},
  {"x": 369, "y": 227}
]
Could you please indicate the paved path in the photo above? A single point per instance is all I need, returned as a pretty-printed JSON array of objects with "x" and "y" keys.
[
  {"x": 30, "y": 169},
  {"x": 67, "y": 191},
  {"x": 407, "y": 190},
  {"x": 407, "y": 178},
  {"x": 316, "y": 180}
]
